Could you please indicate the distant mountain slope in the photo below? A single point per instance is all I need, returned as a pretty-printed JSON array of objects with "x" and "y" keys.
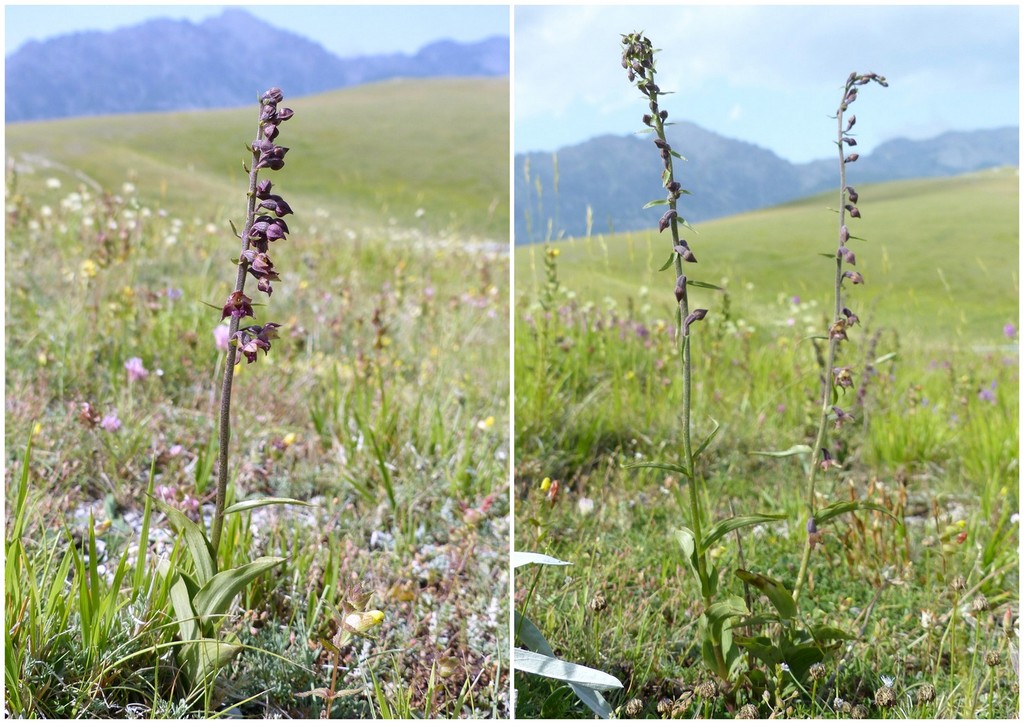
[
  {"x": 607, "y": 180},
  {"x": 165, "y": 65}
]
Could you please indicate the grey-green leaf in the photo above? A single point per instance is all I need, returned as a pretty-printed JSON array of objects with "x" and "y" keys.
[
  {"x": 553, "y": 668},
  {"x": 520, "y": 558}
]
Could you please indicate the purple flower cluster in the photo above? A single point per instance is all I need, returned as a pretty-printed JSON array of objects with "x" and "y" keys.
[{"x": 261, "y": 231}]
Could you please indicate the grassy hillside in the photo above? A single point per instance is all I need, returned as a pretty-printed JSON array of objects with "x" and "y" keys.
[
  {"x": 377, "y": 152},
  {"x": 939, "y": 257},
  {"x": 384, "y": 402}
]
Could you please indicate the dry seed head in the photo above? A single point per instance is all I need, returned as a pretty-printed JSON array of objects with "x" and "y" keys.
[
  {"x": 885, "y": 697},
  {"x": 859, "y": 712},
  {"x": 748, "y": 711},
  {"x": 959, "y": 584},
  {"x": 707, "y": 689},
  {"x": 992, "y": 658},
  {"x": 979, "y": 604},
  {"x": 597, "y": 603},
  {"x": 634, "y": 707},
  {"x": 665, "y": 707},
  {"x": 925, "y": 694},
  {"x": 817, "y": 671}
]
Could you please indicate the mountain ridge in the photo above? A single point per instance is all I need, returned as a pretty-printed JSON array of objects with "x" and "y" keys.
[
  {"x": 602, "y": 184},
  {"x": 164, "y": 64}
]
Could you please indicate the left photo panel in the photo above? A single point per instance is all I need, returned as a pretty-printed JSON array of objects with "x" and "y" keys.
[{"x": 257, "y": 362}]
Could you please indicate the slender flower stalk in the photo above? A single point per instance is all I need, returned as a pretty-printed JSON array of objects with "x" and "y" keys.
[
  {"x": 638, "y": 60},
  {"x": 836, "y": 378},
  {"x": 257, "y": 234}
]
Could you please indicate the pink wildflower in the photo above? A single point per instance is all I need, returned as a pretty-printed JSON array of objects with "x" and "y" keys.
[
  {"x": 110, "y": 423},
  {"x": 136, "y": 370},
  {"x": 222, "y": 335}
]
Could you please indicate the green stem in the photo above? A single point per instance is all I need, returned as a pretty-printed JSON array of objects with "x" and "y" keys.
[{"x": 829, "y": 371}]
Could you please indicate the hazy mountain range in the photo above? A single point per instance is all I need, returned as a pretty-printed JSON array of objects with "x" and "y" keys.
[
  {"x": 614, "y": 176},
  {"x": 168, "y": 65}
]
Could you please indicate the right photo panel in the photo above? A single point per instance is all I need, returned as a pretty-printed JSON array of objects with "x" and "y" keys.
[{"x": 766, "y": 364}]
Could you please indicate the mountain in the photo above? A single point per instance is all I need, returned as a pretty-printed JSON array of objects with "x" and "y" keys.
[
  {"x": 224, "y": 61},
  {"x": 605, "y": 182}
]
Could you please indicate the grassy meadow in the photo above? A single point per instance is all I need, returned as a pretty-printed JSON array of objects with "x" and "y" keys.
[
  {"x": 384, "y": 403},
  {"x": 933, "y": 446}
]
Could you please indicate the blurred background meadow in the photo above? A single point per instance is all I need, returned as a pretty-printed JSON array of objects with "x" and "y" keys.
[{"x": 384, "y": 402}]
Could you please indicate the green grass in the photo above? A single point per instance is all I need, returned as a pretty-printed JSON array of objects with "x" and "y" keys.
[
  {"x": 384, "y": 402},
  {"x": 939, "y": 257},
  {"x": 935, "y": 443},
  {"x": 373, "y": 154}
]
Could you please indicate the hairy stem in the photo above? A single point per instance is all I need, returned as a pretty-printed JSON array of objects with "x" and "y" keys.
[{"x": 229, "y": 364}]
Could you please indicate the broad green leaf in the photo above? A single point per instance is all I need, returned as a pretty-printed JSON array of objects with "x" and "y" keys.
[
  {"x": 519, "y": 558},
  {"x": 847, "y": 506},
  {"x": 532, "y": 662},
  {"x": 709, "y": 586},
  {"x": 656, "y": 202},
  {"x": 688, "y": 542},
  {"x": 724, "y": 527},
  {"x": 795, "y": 450},
  {"x": 830, "y": 633},
  {"x": 181, "y": 602},
  {"x": 720, "y": 612},
  {"x": 762, "y": 619},
  {"x": 707, "y": 441},
  {"x": 195, "y": 539},
  {"x": 670, "y": 467},
  {"x": 761, "y": 647},
  {"x": 216, "y": 595},
  {"x": 260, "y": 502},
  {"x": 775, "y": 591},
  {"x": 667, "y": 264}
]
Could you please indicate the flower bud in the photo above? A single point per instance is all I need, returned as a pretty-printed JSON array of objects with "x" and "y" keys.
[
  {"x": 680, "y": 287},
  {"x": 666, "y": 220},
  {"x": 854, "y": 211},
  {"x": 273, "y": 95},
  {"x": 851, "y": 194},
  {"x": 849, "y": 141},
  {"x": 855, "y": 277},
  {"x": 360, "y": 622},
  {"x": 844, "y": 234},
  {"x": 851, "y": 158},
  {"x": 683, "y": 250},
  {"x": 695, "y": 316},
  {"x": 850, "y": 122}
]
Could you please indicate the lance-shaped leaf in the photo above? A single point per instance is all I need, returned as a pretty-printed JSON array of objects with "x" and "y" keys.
[
  {"x": 520, "y": 558},
  {"x": 668, "y": 262},
  {"x": 216, "y": 595},
  {"x": 781, "y": 599},
  {"x": 260, "y": 502},
  {"x": 795, "y": 450},
  {"x": 707, "y": 441},
  {"x": 670, "y": 467},
  {"x": 656, "y": 202},
  {"x": 529, "y": 635},
  {"x": 724, "y": 527},
  {"x": 836, "y": 509},
  {"x": 195, "y": 539},
  {"x": 703, "y": 285},
  {"x": 553, "y": 668}
]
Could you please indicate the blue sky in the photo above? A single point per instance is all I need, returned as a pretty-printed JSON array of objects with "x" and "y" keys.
[
  {"x": 345, "y": 30},
  {"x": 770, "y": 75}
]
